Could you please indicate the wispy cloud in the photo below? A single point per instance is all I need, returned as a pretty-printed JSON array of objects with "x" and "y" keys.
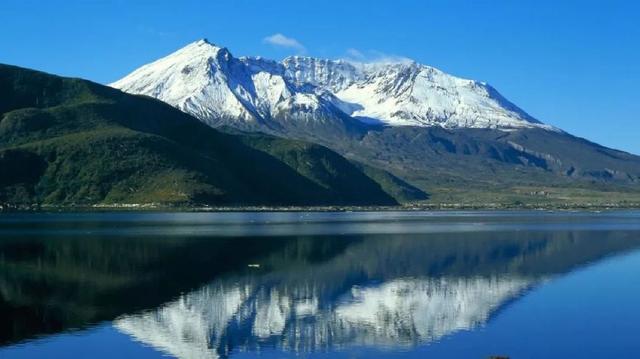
[
  {"x": 355, "y": 54},
  {"x": 281, "y": 40},
  {"x": 373, "y": 56}
]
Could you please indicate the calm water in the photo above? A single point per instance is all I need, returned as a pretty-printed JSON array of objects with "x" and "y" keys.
[{"x": 320, "y": 285}]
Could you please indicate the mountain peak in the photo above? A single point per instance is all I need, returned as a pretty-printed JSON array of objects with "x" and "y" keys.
[
  {"x": 201, "y": 46},
  {"x": 203, "y": 42}
]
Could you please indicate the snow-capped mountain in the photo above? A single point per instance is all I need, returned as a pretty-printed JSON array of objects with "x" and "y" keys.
[
  {"x": 255, "y": 93},
  {"x": 249, "y": 93},
  {"x": 407, "y": 118}
]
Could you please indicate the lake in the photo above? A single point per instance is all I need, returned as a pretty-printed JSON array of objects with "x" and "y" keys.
[{"x": 320, "y": 285}]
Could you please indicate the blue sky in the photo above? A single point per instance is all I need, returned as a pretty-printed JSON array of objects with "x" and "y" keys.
[{"x": 573, "y": 64}]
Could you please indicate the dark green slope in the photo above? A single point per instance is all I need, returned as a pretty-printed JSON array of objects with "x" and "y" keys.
[
  {"x": 325, "y": 168},
  {"x": 491, "y": 166},
  {"x": 480, "y": 167},
  {"x": 543, "y": 156},
  {"x": 69, "y": 141}
]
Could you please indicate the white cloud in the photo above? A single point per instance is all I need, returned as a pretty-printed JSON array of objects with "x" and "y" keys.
[
  {"x": 355, "y": 54},
  {"x": 389, "y": 58},
  {"x": 373, "y": 56},
  {"x": 284, "y": 41}
]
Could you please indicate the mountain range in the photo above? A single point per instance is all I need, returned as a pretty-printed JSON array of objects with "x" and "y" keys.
[
  {"x": 252, "y": 92},
  {"x": 248, "y": 131},
  {"x": 73, "y": 142},
  {"x": 457, "y": 139}
]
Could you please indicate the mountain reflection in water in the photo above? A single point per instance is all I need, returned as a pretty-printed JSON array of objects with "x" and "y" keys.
[
  {"x": 195, "y": 296},
  {"x": 250, "y": 315}
]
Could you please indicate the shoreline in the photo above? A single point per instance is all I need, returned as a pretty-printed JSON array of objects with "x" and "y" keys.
[{"x": 156, "y": 207}]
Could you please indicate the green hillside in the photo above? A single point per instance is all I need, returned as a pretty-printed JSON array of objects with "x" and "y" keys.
[{"x": 73, "y": 142}]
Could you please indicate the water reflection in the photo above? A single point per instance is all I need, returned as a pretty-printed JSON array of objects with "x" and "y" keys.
[
  {"x": 219, "y": 319},
  {"x": 195, "y": 296},
  {"x": 380, "y": 291}
]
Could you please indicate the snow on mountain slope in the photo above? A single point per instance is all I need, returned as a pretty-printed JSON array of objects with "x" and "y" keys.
[
  {"x": 407, "y": 93},
  {"x": 332, "y": 75},
  {"x": 209, "y": 83},
  {"x": 192, "y": 79}
]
